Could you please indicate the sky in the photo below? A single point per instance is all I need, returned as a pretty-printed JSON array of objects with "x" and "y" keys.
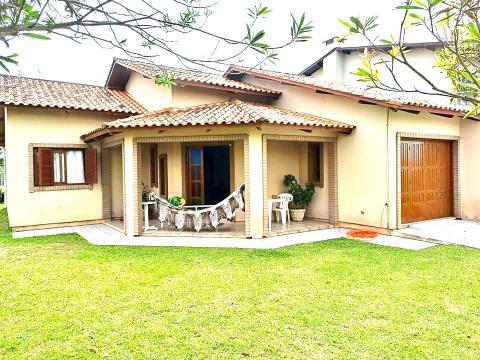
[{"x": 62, "y": 59}]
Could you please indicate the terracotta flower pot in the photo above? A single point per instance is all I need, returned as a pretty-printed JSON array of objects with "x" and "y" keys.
[{"x": 297, "y": 214}]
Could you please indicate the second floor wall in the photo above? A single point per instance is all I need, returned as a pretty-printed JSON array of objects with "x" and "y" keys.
[
  {"x": 341, "y": 66},
  {"x": 155, "y": 97}
]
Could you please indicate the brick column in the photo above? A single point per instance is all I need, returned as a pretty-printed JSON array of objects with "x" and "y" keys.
[
  {"x": 255, "y": 165},
  {"x": 332, "y": 183},
  {"x": 106, "y": 184},
  {"x": 129, "y": 174},
  {"x": 457, "y": 193}
]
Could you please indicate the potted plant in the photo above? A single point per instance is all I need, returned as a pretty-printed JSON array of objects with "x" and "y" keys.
[
  {"x": 302, "y": 196},
  {"x": 177, "y": 201}
]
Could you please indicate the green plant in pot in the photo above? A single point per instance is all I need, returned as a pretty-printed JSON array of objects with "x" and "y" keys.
[{"x": 302, "y": 196}]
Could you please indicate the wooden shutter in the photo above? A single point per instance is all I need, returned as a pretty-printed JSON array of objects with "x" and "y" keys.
[
  {"x": 153, "y": 166},
  {"x": 315, "y": 164},
  {"x": 91, "y": 166},
  {"x": 45, "y": 167},
  {"x": 163, "y": 179}
]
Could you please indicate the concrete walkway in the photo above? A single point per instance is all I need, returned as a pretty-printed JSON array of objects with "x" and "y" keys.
[
  {"x": 448, "y": 231},
  {"x": 104, "y": 235}
]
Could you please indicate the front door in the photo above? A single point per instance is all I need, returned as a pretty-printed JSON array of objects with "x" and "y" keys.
[
  {"x": 426, "y": 180},
  {"x": 208, "y": 174}
]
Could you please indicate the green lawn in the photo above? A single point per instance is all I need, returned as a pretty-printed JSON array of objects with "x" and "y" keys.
[{"x": 63, "y": 298}]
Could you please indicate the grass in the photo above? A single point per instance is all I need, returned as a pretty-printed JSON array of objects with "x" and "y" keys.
[{"x": 61, "y": 297}]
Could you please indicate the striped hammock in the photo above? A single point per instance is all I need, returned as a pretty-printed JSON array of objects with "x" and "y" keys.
[{"x": 210, "y": 216}]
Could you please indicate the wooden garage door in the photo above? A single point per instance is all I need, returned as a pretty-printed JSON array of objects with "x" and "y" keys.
[{"x": 427, "y": 180}]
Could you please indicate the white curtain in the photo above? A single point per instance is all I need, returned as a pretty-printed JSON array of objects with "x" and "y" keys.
[
  {"x": 75, "y": 167},
  {"x": 58, "y": 165}
]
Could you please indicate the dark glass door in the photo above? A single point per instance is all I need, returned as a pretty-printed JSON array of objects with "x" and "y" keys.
[
  {"x": 208, "y": 174},
  {"x": 216, "y": 170}
]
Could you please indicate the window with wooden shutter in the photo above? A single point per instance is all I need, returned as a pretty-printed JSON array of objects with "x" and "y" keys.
[
  {"x": 45, "y": 167},
  {"x": 62, "y": 167},
  {"x": 315, "y": 164},
  {"x": 91, "y": 166}
]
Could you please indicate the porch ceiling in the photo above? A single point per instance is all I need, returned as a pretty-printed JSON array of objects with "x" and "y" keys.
[{"x": 233, "y": 112}]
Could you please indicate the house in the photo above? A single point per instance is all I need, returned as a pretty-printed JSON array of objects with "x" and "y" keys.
[
  {"x": 341, "y": 61},
  {"x": 80, "y": 154}
]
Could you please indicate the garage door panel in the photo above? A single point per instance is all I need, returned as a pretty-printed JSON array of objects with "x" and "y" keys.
[{"x": 426, "y": 180}]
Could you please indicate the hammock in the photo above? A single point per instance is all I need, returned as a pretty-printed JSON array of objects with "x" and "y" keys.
[{"x": 197, "y": 219}]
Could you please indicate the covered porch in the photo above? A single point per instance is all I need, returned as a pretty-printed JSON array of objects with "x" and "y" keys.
[{"x": 204, "y": 161}]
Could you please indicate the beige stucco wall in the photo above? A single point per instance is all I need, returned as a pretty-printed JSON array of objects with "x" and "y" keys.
[
  {"x": 154, "y": 97},
  {"x": 280, "y": 165},
  {"x": 145, "y": 178},
  {"x": 35, "y": 125},
  {"x": 470, "y": 175},
  {"x": 291, "y": 157},
  {"x": 367, "y": 157},
  {"x": 189, "y": 96},
  {"x": 342, "y": 67},
  {"x": 318, "y": 209},
  {"x": 423, "y": 123},
  {"x": 151, "y": 96},
  {"x": 116, "y": 181}
]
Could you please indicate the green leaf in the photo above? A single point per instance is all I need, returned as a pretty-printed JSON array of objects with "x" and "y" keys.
[
  {"x": 473, "y": 29},
  {"x": 258, "y": 36},
  {"x": 357, "y": 22},
  {"x": 419, "y": 3},
  {"x": 4, "y": 66},
  {"x": 474, "y": 111},
  {"x": 165, "y": 80},
  {"x": 9, "y": 58},
  {"x": 417, "y": 17},
  {"x": 345, "y": 23},
  {"x": 36, "y": 36},
  {"x": 408, "y": 7}
]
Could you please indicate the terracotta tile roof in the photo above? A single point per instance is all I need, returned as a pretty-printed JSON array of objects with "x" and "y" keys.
[
  {"x": 381, "y": 97},
  {"x": 16, "y": 90},
  {"x": 193, "y": 76},
  {"x": 232, "y": 112}
]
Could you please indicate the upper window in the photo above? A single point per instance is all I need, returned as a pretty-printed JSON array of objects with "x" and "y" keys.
[
  {"x": 63, "y": 166},
  {"x": 315, "y": 163}
]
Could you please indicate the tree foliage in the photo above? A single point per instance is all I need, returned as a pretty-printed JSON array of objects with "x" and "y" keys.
[
  {"x": 155, "y": 25},
  {"x": 454, "y": 24}
]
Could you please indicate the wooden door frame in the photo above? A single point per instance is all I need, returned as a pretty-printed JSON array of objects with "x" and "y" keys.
[
  {"x": 457, "y": 201},
  {"x": 185, "y": 166},
  {"x": 188, "y": 179}
]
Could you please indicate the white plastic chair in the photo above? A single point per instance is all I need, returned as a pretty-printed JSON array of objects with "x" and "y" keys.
[{"x": 283, "y": 207}]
